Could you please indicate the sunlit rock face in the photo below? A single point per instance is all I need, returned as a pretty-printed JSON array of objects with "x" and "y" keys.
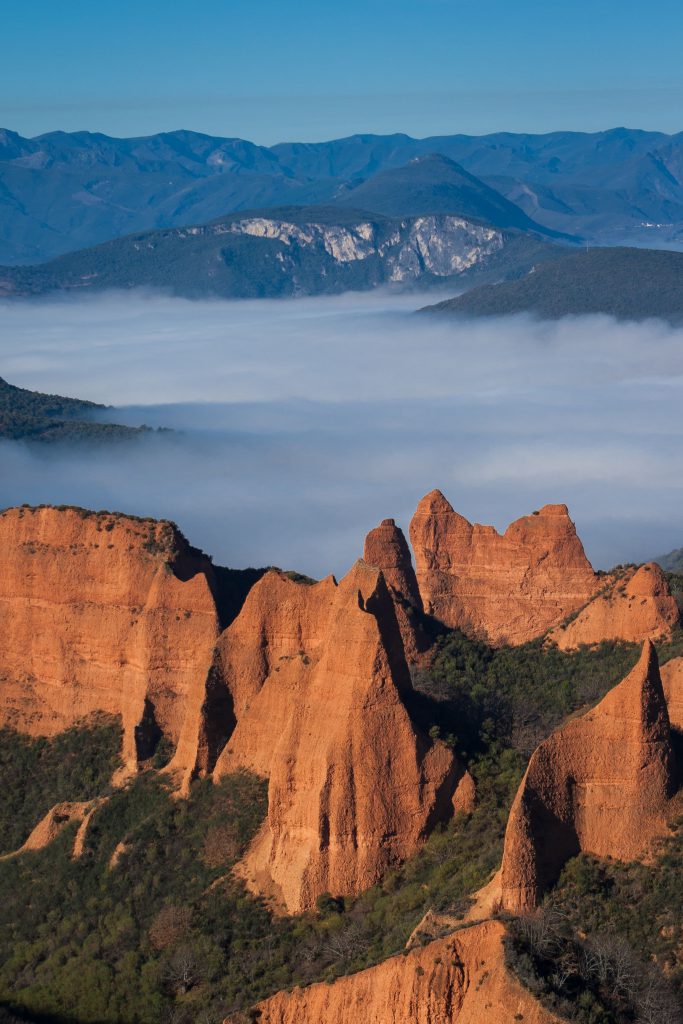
[
  {"x": 505, "y": 588},
  {"x": 387, "y": 549},
  {"x": 600, "y": 784},
  {"x": 438, "y": 245},
  {"x": 672, "y": 683},
  {"x": 460, "y": 978},
  {"x": 318, "y": 678},
  {"x": 638, "y": 606},
  {"x": 104, "y": 613}
]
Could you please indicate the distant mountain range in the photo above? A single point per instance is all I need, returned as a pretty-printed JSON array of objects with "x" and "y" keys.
[
  {"x": 630, "y": 284},
  {"x": 672, "y": 562},
  {"x": 61, "y": 192}
]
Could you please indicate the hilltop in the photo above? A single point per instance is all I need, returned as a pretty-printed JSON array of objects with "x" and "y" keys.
[
  {"x": 67, "y": 191},
  {"x": 630, "y": 284}
]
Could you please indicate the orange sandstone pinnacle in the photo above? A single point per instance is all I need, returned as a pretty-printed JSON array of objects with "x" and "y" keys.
[
  {"x": 387, "y": 549},
  {"x": 599, "y": 785},
  {"x": 318, "y": 676}
]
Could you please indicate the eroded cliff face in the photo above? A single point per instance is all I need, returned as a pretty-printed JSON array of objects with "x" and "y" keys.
[
  {"x": 459, "y": 978},
  {"x": 634, "y": 608},
  {"x": 598, "y": 785},
  {"x": 387, "y": 549},
  {"x": 505, "y": 588},
  {"x": 408, "y": 249},
  {"x": 318, "y": 675},
  {"x": 672, "y": 683},
  {"x": 104, "y": 613}
]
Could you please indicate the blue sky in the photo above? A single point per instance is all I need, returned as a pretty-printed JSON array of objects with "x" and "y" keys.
[{"x": 272, "y": 71}]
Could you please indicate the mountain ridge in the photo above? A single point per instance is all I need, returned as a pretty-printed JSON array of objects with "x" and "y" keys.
[
  {"x": 290, "y": 250},
  {"x": 63, "y": 191},
  {"x": 627, "y": 283}
]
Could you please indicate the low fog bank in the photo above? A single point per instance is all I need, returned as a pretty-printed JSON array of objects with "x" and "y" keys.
[{"x": 301, "y": 424}]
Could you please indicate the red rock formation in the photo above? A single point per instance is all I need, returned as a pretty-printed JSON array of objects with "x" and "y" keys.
[
  {"x": 459, "y": 978},
  {"x": 465, "y": 796},
  {"x": 104, "y": 613},
  {"x": 672, "y": 684},
  {"x": 599, "y": 785},
  {"x": 386, "y": 548},
  {"x": 634, "y": 608},
  {"x": 505, "y": 588},
  {"x": 317, "y": 674}
]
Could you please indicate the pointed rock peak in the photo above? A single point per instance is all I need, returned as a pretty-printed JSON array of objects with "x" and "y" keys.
[
  {"x": 640, "y": 695},
  {"x": 386, "y": 548},
  {"x": 433, "y": 503},
  {"x": 645, "y": 672},
  {"x": 648, "y": 581},
  {"x": 364, "y": 578},
  {"x": 600, "y": 784}
]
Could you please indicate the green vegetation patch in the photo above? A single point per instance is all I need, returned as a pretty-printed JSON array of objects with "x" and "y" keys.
[
  {"x": 36, "y": 774},
  {"x": 483, "y": 699},
  {"x": 151, "y": 925},
  {"x": 148, "y": 920},
  {"x": 33, "y": 416},
  {"x": 607, "y": 946}
]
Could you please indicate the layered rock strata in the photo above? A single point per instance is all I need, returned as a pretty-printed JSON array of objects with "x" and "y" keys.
[
  {"x": 317, "y": 677},
  {"x": 598, "y": 785},
  {"x": 505, "y": 588},
  {"x": 104, "y": 613},
  {"x": 459, "y": 978},
  {"x": 636, "y": 607}
]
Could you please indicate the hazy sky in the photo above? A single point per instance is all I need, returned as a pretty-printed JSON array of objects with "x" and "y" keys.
[
  {"x": 314, "y": 69},
  {"x": 302, "y": 423}
]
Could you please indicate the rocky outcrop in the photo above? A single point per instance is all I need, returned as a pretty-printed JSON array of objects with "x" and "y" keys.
[
  {"x": 55, "y": 821},
  {"x": 506, "y": 588},
  {"x": 465, "y": 796},
  {"x": 636, "y": 607},
  {"x": 598, "y": 785},
  {"x": 459, "y": 978},
  {"x": 672, "y": 683},
  {"x": 387, "y": 549},
  {"x": 104, "y": 613},
  {"x": 317, "y": 677}
]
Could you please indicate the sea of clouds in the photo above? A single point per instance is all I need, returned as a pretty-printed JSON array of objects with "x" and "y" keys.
[{"x": 300, "y": 424}]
